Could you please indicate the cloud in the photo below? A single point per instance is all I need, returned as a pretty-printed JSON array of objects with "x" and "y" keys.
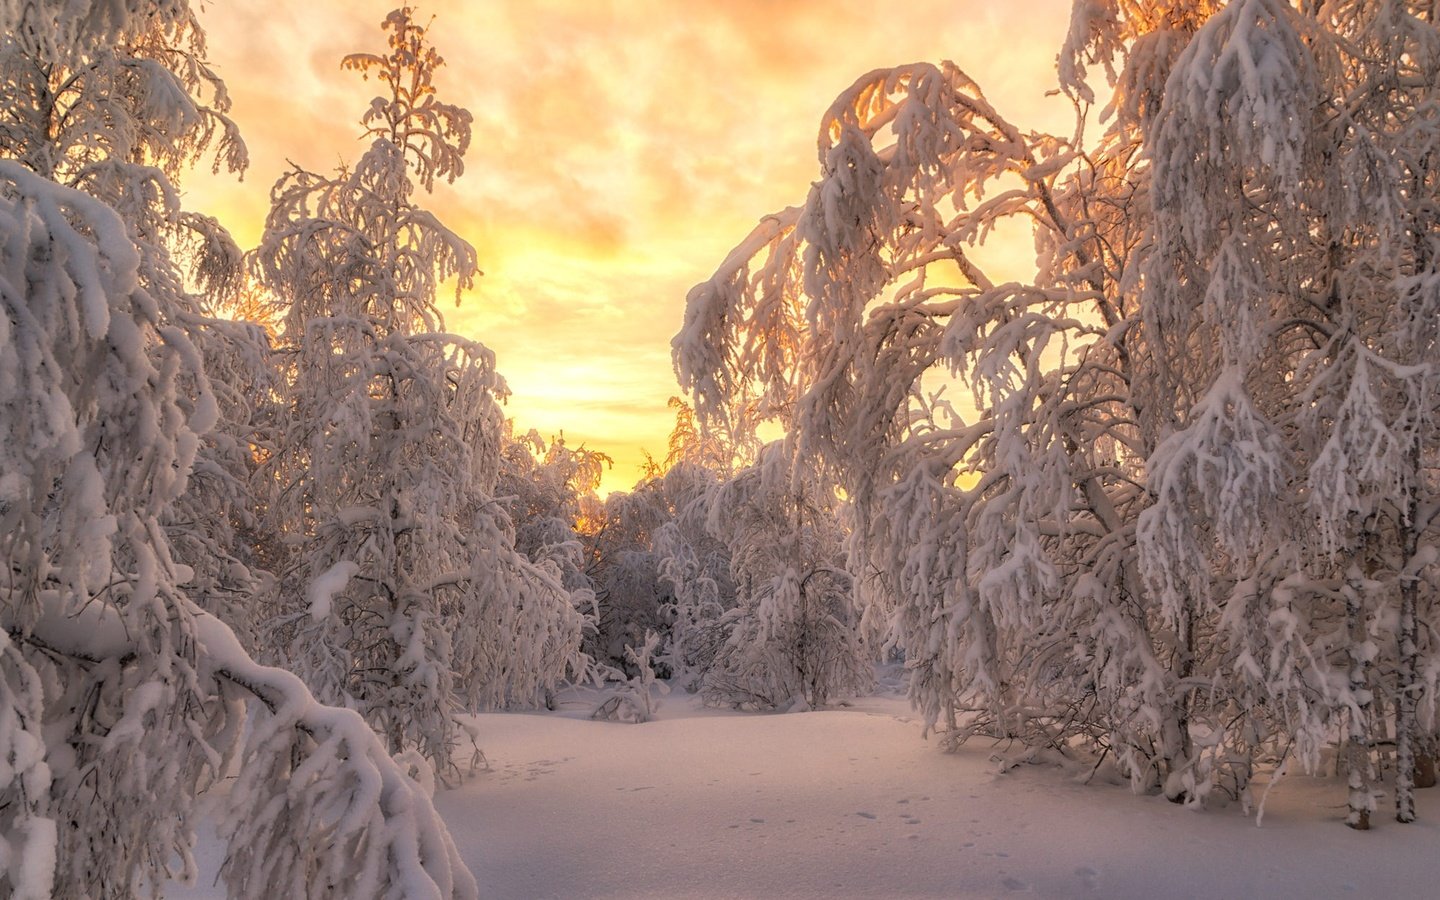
[{"x": 620, "y": 150}]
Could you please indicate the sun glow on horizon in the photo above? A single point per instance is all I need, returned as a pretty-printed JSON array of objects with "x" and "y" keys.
[{"x": 619, "y": 153}]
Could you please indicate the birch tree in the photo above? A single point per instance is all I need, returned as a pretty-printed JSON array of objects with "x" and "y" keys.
[
  {"x": 120, "y": 699},
  {"x": 546, "y": 489},
  {"x": 860, "y": 304},
  {"x": 1169, "y": 499},
  {"x": 1310, "y": 132},
  {"x": 120, "y": 120},
  {"x": 405, "y": 595},
  {"x": 793, "y": 633}
]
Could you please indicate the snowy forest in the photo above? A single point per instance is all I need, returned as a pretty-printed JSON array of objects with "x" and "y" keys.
[{"x": 1167, "y": 509}]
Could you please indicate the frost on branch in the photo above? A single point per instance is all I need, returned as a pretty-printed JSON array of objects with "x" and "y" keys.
[
  {"x": 1165, "y": 502},
  {"x": 317, "y": 782},
  {"x": 965, "y": 516},
  {"x": 794, "y": 632},
  {"x": 116, "y": 100},
  {"x": 391, "y": 450},
  {"x": 126, "y": 701},
  {"x": 1226, "y": 459},
  {"x": 434, "y": 134},
  {"x": 1292, "y": 162},
  {"x": 28, "y": 838}
]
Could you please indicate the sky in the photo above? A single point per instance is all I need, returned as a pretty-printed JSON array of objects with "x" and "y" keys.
[{"x": 620, "y": 149}]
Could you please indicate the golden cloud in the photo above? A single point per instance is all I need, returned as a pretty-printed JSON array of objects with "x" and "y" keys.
[{"x": 619, "y": 151}]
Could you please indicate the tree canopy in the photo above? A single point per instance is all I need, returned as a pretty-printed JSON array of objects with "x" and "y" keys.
[{"x": 1185, "y": 519}]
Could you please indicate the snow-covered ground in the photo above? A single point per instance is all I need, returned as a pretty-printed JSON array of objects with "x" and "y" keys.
[{"x": 853, "y": 803}]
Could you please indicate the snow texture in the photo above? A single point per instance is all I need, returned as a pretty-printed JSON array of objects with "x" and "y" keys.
[
  {"x": 321, "y": 593},
  {"x": 851, "y": 803}
]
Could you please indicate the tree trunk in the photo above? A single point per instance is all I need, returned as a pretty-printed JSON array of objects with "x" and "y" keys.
[
  {"x": 1177, "y": 749},
  {"x": 1425, "y": 764},
  {"x": 1405, "y": 708},
  {"x": 1357, "y": 742},
  {"x": 1409, "y": 681}
]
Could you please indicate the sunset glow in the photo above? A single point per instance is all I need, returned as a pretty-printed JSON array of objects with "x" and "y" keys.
[{"x": 620, "y": 150}]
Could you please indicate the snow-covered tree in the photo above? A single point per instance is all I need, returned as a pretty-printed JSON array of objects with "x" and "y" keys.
[
  {"x": 861, "y": 304},
  {"x": 405, "y": 595},
  {"x": 547, "y": 488},
  {"x": 794, "y": 631},
  {"x": 215, "y": 527},
  {"x": 635, "y": 701},
  {"x": 1184, "y": 516},
  {"x": 121, "y": 699},
  {"x": 656, "y": 568},
  {"x": 696, "y": 567},
  {"x": 118, "y": 105},
  {"x": 719, "y": 447},
  {"x": 1298, "y": 484}
]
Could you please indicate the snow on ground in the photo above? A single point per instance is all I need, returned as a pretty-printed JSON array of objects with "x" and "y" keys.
[{"x": 852, "y": 803}]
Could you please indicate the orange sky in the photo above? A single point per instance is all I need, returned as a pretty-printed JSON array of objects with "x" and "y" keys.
[{"x": 621, "y": 148}]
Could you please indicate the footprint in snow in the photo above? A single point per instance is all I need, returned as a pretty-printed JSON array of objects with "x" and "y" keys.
[
  {"x": 866, "y": 815},
  {"x": 758, "y": 821}
]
